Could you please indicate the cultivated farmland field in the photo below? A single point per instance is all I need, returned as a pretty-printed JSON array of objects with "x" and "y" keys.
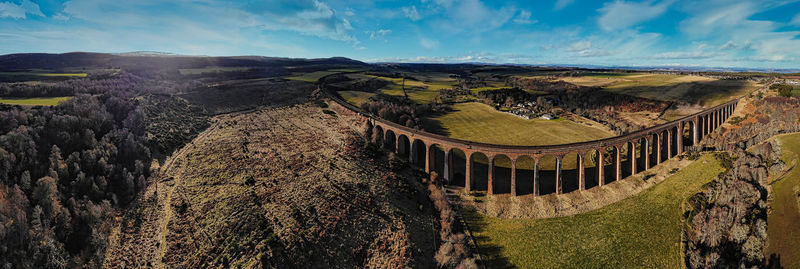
[
  {"x": 37, "y": 101},
  {"x": 692, "y": 89},
  {"x": 642, "y": 231}
]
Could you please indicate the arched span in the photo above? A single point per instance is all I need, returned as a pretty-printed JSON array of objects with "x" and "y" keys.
[{"x": 655, "y": 144}]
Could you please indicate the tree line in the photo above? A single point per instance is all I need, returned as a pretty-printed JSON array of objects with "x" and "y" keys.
[{"x": 64, "y": 170}]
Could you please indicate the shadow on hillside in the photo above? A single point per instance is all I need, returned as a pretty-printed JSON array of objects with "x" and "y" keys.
[
  {"x": 690, "y": 92},
  {"x": 774, "y": 262},
  {"x": 491, "y": 254},
  {"x": 434, "y": 126}
]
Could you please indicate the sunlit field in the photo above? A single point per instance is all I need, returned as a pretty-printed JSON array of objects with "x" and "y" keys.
[{"x": 38, "y": 101}]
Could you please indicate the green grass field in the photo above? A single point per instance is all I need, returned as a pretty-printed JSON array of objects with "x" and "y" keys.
[
  {"x": 481, "y": 123},
  {"x": 39, "y": 101},
  {"x": 355, "y": 98},
  {"x": 783, "y": 229},
  {"x": 642, "y": 231}
]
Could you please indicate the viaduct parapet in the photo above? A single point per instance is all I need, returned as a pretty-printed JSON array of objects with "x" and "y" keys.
[{"x": 629, "y": 154}]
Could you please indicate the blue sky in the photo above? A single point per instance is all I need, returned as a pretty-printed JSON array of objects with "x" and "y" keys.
[{"x": 755, "y": 34}]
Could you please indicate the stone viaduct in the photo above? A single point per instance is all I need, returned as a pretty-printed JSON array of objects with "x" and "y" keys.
[{"x": 622, "y": 155}]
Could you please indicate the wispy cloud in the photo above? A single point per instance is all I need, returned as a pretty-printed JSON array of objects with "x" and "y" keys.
[
  {"x": 796, "y": 20},
  {"x": 379, "y": 34},
  {"x": 19, "y": 11},
  {"x": 621, "y": 14},
  {"x": 683, "y": 55},
  {"x": 471, "y": 57},
  {"x": 561, "y": 4},
  {"x": 524, "y": 17},
  {"x": 731, "y": 25},
  {"x": 412, "y": 13},
  {"x": 730, "y": 45},
  {"x": 473, "y": 16},
  {"x": 428, "y": 44}
]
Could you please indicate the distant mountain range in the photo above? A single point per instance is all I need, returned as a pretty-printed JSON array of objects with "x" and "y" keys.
[{"x": 141, "y": 59}]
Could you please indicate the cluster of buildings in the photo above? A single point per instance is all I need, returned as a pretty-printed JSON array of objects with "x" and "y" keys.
[{"x": 528, "y": 110}]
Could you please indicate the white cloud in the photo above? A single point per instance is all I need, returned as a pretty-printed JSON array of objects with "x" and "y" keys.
[
  {"x": 428, "y": 44},
  {"x": 584, "y": 48},
  {"x": 411, "y": 13},
  {"x": 580, "y": 45},
  {"x": 308, "y": 17},
  {"x": 473, "y": 16},
  {"x": 730, "y": 45},
  {"x": 61, "y": 17},
  {"x": 731, "y": 24},
  {"x": 683, "y": 55},
  {"x": 524, "y": 17},
  {"x": 19, "y": 11},
  {"x": 378, "y": 35},
  {"x": 470, "y": 57},
  {"x": 621, "y": 14},
  {"x": 561, "y": 4}
]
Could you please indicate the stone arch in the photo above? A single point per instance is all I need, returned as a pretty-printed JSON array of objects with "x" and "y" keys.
[
  {"x": 547, "y": 174},
  {"x": 569, "y": 172},
  {"x": 675, "y": 136},
  {"x": 609, "y": 163},
  {"x": 501, "y": 174},
  {"x": 629, "y": 165},
  {"x": 687, "y": 134},
  {"x": 457, "y": 164},
  {"x": 525, "y": 174},
  {"x": 404, "y": 147},
  {"x": 419, "y": 154},
  {"x": 479, "y": 164},
  {"x": 591, "y": 169},
  {"x": 643, "y": 161},
  {"x": 436, "y": 157},
  {"x": 665, "y": 144},
  {"x": 390, "y": 140},
  {"x": 655, "y": 149}
]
